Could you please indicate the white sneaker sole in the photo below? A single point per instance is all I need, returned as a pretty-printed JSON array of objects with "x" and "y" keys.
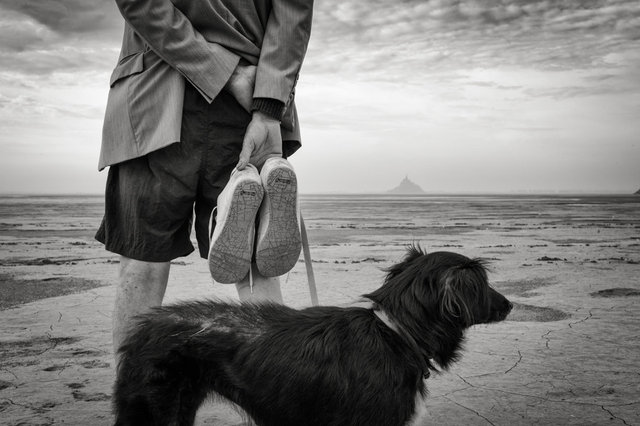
[
  {"x": 278, "y": 246},
  {"x": 231, "y": 252}
]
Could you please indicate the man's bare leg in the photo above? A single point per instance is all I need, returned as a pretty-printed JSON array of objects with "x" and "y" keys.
[
  {"x": 264, "y": 289},
  {"x": 141, "y": 285}
]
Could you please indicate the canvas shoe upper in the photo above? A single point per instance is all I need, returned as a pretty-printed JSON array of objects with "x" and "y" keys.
[
  {"x": 278, "y": 239},
  {"x": 231, "y": 244}
]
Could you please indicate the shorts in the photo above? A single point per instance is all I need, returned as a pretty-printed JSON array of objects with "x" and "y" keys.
[{"x": 151, "y": 201}]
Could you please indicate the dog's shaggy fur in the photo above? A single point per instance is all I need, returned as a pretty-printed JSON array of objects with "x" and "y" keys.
[{"x": 316, "y": 366}]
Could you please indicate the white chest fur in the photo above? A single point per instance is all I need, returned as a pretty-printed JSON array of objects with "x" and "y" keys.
[{"x": 420, "y": 411}]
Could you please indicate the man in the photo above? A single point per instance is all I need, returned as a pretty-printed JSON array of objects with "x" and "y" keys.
[{"x": 201, "y": 87}]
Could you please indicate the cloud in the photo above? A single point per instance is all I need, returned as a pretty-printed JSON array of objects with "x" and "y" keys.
[
  {"x": 479, "y": 81},
  {"x": 424, "y": 36},
  {"x": 46, "y": 37},
  {"x": 21, "y": 109},
  {"x": 68, "y": 16},
  {"x": 57, "y": 59},
  {"x": 376, "y": 39},
  {"x": 19, "y": 32}
]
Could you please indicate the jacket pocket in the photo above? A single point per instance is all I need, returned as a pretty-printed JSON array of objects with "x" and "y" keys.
[{"x": 130, "y": 65}]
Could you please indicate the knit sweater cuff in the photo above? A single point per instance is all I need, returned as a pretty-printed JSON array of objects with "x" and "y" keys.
[{"x": 271, "y": 107}]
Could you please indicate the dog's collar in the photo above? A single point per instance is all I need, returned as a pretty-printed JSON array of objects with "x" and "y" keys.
[
  {"x": 385, "y": 319},
  {"x": 404, "y": 335}
]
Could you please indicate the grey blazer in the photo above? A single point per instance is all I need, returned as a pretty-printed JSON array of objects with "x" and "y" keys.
[{"x": 168, "y": 44}]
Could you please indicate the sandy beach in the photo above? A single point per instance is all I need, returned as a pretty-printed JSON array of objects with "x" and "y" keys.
[{"x": 568, "y": 353}]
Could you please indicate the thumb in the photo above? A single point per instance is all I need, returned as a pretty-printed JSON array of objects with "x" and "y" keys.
[{"x": 245, "y": 154}]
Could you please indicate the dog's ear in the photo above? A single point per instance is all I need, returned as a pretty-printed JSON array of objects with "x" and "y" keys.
[
  {"x": 414, "y": 251},
  {"x": 463, "y": 288}
]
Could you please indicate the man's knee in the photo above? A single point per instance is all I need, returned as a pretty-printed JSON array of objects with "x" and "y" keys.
[
  {"x": 141, "y": 271},
  {"x": 147, "y": 279}
]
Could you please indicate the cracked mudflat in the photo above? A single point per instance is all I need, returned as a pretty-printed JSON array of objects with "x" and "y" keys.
[{"x": 567, "y": 355}]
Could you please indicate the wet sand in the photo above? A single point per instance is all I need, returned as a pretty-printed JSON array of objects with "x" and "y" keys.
[{"x": 568, "y": 353}]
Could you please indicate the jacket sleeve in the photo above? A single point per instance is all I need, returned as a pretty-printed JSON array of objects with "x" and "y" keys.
[
  {"x": 283, "y": 49},
  {"x": 206, "y": 65}
]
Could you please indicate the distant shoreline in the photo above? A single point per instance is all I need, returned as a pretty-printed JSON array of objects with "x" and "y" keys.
[{"x": 375, "y": 194}]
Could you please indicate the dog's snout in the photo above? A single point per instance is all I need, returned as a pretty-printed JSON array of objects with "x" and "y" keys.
[
  {"x": 509, "y": 306},
  {"x": 500, "y": 307}
]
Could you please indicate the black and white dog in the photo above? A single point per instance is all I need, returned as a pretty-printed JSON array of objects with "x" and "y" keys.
[{"x": 316, "y": 366}]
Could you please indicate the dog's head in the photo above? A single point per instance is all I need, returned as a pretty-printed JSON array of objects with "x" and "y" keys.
[
  {"x": 447, "y": 287},
  {"x": 434, "y": 297}
]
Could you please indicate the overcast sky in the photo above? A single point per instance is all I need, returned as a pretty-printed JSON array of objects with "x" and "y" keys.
[{"x": 461, "y": 96}]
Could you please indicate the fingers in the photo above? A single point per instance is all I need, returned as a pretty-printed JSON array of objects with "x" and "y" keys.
[
  {"x": 250, "y": 73},
  {"x": 245, "y": 86},
  {"x": 261, "y": 140},
  {"x": 241, "y": 85},
  {"x": 245, "y": 155}
]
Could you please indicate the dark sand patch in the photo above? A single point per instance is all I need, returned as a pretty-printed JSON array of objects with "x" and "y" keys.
[
  {"x": 43, "y": 261},
  {"x": 84, "y": 352},
  {"x": 89, "y": 397},
  {"x": 550, "y": 259},
  {"x": 19, "y": 362},
  {"x": 75, "y": 385},
  {"x": 15, "y": 291},
  {"x": 573, "y": 241},
  {"x": 42, "y": 234},
  {"x": 522, "y": 312},
  {"x": 32, "y": 347},
  {"x": 56, "y": 367},
  {"x": 368, "y": 259},
  {"x": 616, "y": 292},
  {"x": 618, "y": 260},
  {"x": 95, "y": 363},
  {"x": 522, "y": 288},
  {"x": 377, "y": 235}
]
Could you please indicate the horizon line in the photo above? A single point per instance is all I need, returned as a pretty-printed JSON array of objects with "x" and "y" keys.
[{"x": 346, "y": 193}]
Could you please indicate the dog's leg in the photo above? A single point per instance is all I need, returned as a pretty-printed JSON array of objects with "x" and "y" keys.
[
  {"x": 149, "y": 395},
  {"x": 134, "y": 411},
  {"x": 149, "y": 410},
  {"x": 190, "y": 401},
  {"x": 167, "y": 396}
]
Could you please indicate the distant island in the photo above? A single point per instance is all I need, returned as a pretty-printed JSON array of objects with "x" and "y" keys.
[
  {"x": 406, "y": 187},
  {"x": 637, "y": 192}
]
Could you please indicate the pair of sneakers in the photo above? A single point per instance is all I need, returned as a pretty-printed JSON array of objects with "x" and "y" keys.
[{"x": 272, "y": 197}]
